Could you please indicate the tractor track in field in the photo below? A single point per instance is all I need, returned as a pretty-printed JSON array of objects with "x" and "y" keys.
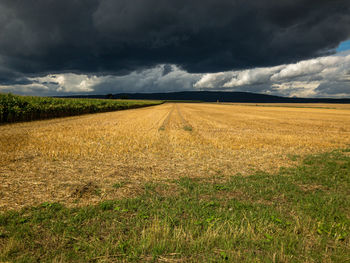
[
  {"x": 185, "y": 124},
  {"x": 160, "y": 122},
  {"x": 166, "y": 120},
  {"x": 175, "y": 110}
]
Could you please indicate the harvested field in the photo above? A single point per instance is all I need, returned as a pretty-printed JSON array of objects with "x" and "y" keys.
[{"x": 86, "y": 159}]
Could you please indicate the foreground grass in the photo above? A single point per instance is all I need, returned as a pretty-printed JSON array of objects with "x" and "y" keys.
[{"x": 301, "y": 214}]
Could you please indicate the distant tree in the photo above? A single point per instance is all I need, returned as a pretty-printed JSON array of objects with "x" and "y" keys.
[
  {"x": 109, "y": 96},
  {"x": 124, "y": 97}
]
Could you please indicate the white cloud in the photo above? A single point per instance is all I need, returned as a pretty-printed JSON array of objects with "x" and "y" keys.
[
  {"x": 297, "y": 89},
  {"x": 213, "y": 80},
  {"x": 68, "y": 82},
  {"x": 252, "y": 76},
  {"x": 301, "y": 79},
  {"x": 310, "y": 67},
  {"x": 30, "y": 89},
  {"x": 319, "y": 77}
]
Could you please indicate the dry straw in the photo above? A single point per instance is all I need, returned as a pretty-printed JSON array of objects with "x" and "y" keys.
[{"x": 81, "y": 160}]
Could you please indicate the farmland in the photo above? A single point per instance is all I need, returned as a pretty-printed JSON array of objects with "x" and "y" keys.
[
  {"x": 179, "y": 182},
  {"x": 14, "y": 108}
]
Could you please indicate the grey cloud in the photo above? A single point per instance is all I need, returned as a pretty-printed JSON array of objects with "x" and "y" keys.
[
  {"x": 161, "y": 78},
  {"x": 334, "y": 89},
  {"x": 150, "y": 80}
]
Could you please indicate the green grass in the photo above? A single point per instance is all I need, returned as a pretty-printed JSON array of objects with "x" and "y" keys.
[
  {"x": 187, "y": 128},
  {"x": 300, "y": 214},
  {"x": 15, "y": 108}
]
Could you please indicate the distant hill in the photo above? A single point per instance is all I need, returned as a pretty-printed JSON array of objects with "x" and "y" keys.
[{"x": 213, "y": 96}]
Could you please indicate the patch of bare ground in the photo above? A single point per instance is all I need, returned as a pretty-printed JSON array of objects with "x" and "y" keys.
[
  {"x": 55, "y": 160},
  {"x": 311, "y": 187}
]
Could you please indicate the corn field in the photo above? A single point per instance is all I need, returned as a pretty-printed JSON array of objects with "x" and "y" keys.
[{"x": 14, "y": 108}]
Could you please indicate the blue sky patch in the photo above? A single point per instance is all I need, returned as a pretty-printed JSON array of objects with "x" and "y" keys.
[{"x": 344, "y": 46}]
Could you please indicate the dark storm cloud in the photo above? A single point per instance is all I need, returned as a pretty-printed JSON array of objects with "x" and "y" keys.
[{"x": 38, "y": 37}]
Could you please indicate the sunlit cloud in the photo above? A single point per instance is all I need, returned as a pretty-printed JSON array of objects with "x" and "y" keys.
[{"x": 302, "y": 79}]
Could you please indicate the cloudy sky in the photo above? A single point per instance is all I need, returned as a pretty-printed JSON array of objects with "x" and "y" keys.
[{"x": 63, "y": 47}]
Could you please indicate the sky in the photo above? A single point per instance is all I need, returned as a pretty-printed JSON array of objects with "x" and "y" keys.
[
  {"x": 345, "y": 45},
  {"x": 295, "y": 48}
]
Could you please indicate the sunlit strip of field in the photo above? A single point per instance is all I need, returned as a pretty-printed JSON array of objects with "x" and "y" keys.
[
  {"x": 296, "y": 105},
  {"x": 79, "y": 160}
]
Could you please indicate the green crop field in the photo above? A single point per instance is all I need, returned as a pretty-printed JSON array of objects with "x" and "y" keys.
[{"x": 15, "y": 108}]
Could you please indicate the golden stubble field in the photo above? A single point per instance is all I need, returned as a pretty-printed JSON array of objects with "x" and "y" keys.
[{"x": 86, "y": 159}]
